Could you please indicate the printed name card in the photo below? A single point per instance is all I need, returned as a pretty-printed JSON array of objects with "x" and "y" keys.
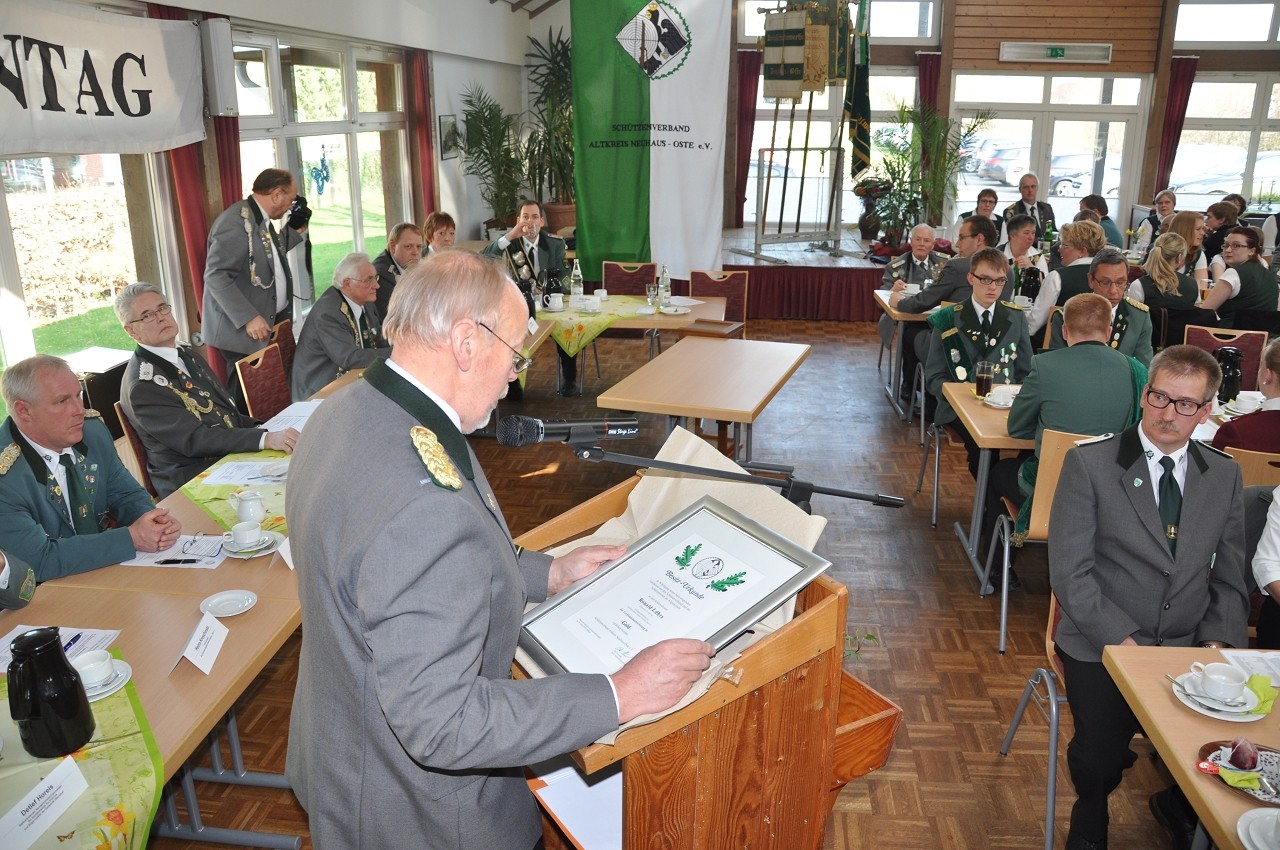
[
  {"x": 35, "y": 813},
  {"x": 204, "y": 644}
]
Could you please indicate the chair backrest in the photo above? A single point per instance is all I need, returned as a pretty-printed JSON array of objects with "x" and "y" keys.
[
  {"x": 1250, "y": 344},
  {"x": 265, "y": 385},
  {"x": 1048, "y": 328},
  {"x": 627, "y": 278},
  {"x": 282, "y": 335},
  {"x": 1257, "y": 468},
  {"x": 1053, "y": 448},
  {"x": 135, "y": 446},
  {"x": 732, "y": 286}
]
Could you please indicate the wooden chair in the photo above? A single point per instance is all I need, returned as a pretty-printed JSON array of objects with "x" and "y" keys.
[
  {"x": 1047, "y": 685},
  {"x": 1257, "y": 468},
  {"x": 1053, "y": 448},
  {"x": 1048, "y": 328},
  {"x": 135, "y": 446},
  {"x": 282, "y": 335},
  {"x": 627, "y": 278},
  {"x": 264, "y": 382},
  {"x": 732, "y": 286},
  {"x": 1250, "y": 344}
]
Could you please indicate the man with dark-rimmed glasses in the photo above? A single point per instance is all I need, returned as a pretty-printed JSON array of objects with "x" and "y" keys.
[{"x": 1146, "y": 546}]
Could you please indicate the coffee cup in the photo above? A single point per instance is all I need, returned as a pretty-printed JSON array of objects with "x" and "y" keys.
[
  {"x": 1246, "y": 403},
  {"x": 1220, "y": 681},
  {"x": 911, "y": 289},
  {"x": 1002, "y": 394},
  {"x": 602, "y": 294},
  {"x": 243, "y": 535},
  {"x": 94, "y": 667},
  {"x": 1022, "y": 301}
]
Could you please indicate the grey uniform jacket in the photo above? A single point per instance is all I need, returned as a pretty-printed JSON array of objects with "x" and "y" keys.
[
  {"x": 905, "y": 268},
  {"x": 185, "y": 423},
  {"x": 384, "y": 266},
  {"x": 407, "y": 730},
  {"x": 1110, "y": 565},
  {"x": 231, "y": 299},
  {"x": 328, "y": 346}
]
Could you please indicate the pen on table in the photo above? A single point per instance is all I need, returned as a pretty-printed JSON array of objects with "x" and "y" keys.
[
  {"x": 178, "y": 561},
  {"x": 67, "y": 646}
]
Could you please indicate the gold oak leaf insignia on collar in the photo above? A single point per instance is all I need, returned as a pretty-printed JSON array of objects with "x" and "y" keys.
[
  {"x": 7, "y": 457},
  {"x": 435, "y": 459}
]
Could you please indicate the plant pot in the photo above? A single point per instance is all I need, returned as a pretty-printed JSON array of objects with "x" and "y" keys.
[
  {"x": 560, "y": 216},
  {"x": 869, "y": 221}
]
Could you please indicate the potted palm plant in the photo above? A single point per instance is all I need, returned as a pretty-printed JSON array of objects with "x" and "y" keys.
[
  {"x": 550, "y": 144},
  {"x": 494, "y": 153}
]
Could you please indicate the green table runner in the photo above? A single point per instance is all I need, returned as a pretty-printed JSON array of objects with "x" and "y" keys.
[
  {"x": 212, "y": 499},
  {"x": 574, "y": 329}
]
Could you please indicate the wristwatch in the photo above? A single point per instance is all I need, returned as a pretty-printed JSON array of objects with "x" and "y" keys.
[{"x": 1214, "y": 644}]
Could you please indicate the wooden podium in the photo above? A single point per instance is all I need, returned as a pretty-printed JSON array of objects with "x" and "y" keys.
[{"x": 758, "y": 764}]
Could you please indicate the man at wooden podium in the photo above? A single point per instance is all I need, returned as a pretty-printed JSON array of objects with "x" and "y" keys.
[{"x": 407, "y": 729}]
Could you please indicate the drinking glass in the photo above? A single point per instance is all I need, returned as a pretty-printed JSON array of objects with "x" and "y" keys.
[
  {"x": 651, "y": 292},
  {"x": 985, "y": 372}
]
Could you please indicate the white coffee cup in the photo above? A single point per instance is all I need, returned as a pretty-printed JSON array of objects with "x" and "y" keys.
[
  {"x": 1022, "y": 301},
  {"x": 1246, "y": 403},
  {"x": 911, "y": 289},
  {"x": 94, "y": 667},
  {"x": 554, "y": 301},
  {"x": 1002, "y": 394},
  {"x": 1220, "y": 681},
  {"x": 602, "y": 294},
  {"x": 243, "y": 535}
]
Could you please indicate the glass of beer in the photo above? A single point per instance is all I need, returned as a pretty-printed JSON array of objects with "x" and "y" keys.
[{"x": 984, "y": 373}]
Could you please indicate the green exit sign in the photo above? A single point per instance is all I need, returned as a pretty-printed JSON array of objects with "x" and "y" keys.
[{"x": 1056, "y": 52}]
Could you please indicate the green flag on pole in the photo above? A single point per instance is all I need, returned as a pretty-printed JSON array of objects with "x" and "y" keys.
[{"x": 857, "y": 97}]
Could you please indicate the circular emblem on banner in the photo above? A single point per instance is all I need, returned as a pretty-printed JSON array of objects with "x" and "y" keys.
[{"x": 657, "y": 38}]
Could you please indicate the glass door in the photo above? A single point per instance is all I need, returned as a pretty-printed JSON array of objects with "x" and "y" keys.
[{"x": 1086, "y": 158}]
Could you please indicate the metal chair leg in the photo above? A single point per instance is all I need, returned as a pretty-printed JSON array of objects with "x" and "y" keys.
[
  {"x": 937, "y": 465},
  {"x": 1050, "y": 705}
]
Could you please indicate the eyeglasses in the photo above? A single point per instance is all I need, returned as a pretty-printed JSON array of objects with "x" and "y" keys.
[
  {"x": 150, "y": 316},
  {"x": 990, "y": 281},
  {"x": 1241, "y": 245},
  {"x": 1181, "y": 406},
  {"x": 519, "y": 363},
  {"x": 960, "y": 236},
  {"x": 365, "y": 280}
]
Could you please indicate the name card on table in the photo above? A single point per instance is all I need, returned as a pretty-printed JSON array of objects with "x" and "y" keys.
[
  {"x": 22, "y": 825},
  {"x": 204, "y": 644}
]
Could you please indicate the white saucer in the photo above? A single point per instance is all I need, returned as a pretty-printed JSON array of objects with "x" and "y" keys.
[
  {"x": 118, "y": 679},
  {"x": 1255, "y": 826},
  {"x": 1231, "y": 715},
  {"x": 646, "y": 311},
  {"x": 275, "y": 538},
  {"x": 997, "y": 405},
  {"x": 675, "y": 311},
  {"x": 552, "y": 310},
  {"x": 228, "y": 603},
  {"x": 1235, "y": 411},
  {"x": 279, "y": 469}
]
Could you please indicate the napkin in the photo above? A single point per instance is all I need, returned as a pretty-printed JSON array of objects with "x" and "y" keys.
[
  {"x": 1261, "y": 685},
  {"x": 1247, "y": 779}
]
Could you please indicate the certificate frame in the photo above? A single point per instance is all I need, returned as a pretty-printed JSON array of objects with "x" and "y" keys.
[{"x": 708, "y": 573}]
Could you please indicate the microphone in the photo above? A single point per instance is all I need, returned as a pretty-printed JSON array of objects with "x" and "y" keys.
[{"x": 516, "y": 431}]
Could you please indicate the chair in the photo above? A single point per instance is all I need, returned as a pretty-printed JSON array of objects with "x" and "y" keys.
[
  {"x": 264, "y": 383},
  {"x": 934, "y": 444},
  {"x": 732, "y": 286},
  {"x": 282, "y": 335},
  {"x": 135, "y": 446},
  {"x": 1053, "y": 448},
  {"x": 1257, "y": 468},
  {"x": 1048, "y": 328},
  {"x": 1250, "y": 344},
  {"x": 627, "y": 278},
  {"x": 1047, "y": 685}
]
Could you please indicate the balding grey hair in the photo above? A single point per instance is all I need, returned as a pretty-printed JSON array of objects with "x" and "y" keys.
[
  {"x": 131, "y": 293},
  {"x": 347, "y": 267},
  {"x": 928, "y": 227},
  {"x": 20, "y": 381},
  {"x": 442, "y": 290}
]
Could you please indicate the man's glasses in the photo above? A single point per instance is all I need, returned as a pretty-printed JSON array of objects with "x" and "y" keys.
[
  {"x": 990, "y": 281},
  {"x": 151, "y": 315},
  {"x": 519, "y": 363},
  {"x": 365, "y": 280},
  {"x": 1181, "y": 406}
]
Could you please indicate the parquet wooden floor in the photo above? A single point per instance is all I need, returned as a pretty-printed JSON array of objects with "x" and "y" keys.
[{"x": 945, "y": 785}]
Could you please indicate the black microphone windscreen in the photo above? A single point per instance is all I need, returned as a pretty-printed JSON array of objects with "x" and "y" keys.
[{"x": 516, "y": 431}]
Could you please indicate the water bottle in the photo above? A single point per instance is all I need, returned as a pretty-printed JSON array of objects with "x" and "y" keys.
[
  {"x": 575, "y": 281},
  {"x": 664, "y": 287}
]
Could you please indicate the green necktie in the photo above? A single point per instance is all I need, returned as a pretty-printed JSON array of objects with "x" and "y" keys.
[
  {"x": 81, "y": 509},
  {"x": 1170, "y": 503}
]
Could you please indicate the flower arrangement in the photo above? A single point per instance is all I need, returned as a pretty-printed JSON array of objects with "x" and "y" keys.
[{"x": 873, "y": 187}]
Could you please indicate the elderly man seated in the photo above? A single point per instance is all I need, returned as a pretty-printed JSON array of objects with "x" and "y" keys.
[
  {"x": 183, "y": 415},
  {"x": 343, "y": 331},
  {"x": 67, "y": 504},
  {"x": 1130, "y": 319},
  {"x": 918, "y": 267}
]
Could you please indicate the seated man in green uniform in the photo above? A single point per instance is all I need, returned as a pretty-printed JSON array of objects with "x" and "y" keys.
[
  {"x": 67, "y": 504},
  {"x": 1130, "y": 319}
]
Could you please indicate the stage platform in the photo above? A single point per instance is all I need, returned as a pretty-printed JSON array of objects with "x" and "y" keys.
[{"x": 812, "y": 284}]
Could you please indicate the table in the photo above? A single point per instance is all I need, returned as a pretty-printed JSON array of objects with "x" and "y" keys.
[
  {"x": 989, "y": 427},
  {"x": 1178, "y": 732},
  {"x": 574, "y": 330},
  {"x": 730, "y": 380},
  {"x": 893, "y": 387}
]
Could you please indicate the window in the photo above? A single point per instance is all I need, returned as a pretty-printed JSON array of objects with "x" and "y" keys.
[
  {"x": 1211, "y": 23},
  {"x": 892, "y": 21}
]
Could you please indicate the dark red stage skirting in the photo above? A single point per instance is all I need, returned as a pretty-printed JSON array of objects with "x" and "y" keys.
[{"x": 817, "y": 293}]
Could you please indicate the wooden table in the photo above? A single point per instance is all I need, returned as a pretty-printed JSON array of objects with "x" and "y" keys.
[
  {"x": 729, "y": 380},
  {"x": 1178, "y": 732},
  {"x": 893, "y": 386},
  {"x": 989, "y": 427},
  {"x": 628, "y": 306}
]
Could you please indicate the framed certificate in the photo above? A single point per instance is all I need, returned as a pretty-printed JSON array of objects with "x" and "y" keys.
[{"x": 708, "y": 573}]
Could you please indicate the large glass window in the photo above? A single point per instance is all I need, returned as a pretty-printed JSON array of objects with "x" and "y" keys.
[
  {"x": 1205, "y": 23},
  {"x": 892, "y": 21}
]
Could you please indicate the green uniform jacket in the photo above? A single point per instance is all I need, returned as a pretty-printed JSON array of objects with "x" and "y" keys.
[
  {"x": 33, "y": 517},
  {"x": 1130, "y": 332},
  {"x": 1009, "y": 347}
]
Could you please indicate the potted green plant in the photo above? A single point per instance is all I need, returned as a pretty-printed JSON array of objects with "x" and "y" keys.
[
  {"x": 550, "y": 144},
  {"x": 493, "y": 152}
]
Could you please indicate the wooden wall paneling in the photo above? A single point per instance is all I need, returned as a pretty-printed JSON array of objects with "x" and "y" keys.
[
  {"x": 1159, "y": 94},
  {"x": 659, "y": 793},
  {"x": 946, "y": 64},
  {"x": 731, "y": 814},
  {"x": 798, "y": 704}
]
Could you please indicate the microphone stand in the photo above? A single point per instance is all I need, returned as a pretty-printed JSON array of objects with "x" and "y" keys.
[{"x": 795, "y": 491}]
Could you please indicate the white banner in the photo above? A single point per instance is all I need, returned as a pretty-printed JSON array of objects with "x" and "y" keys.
[{"x": 76, "y": 80}]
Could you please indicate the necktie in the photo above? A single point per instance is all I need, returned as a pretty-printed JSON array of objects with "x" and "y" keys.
[
  {"x": 1170, "y": 503},
  {"x": 363, "y": 332},
  {"x": 81, "y": 510},
  {"x": 985, "y": 324}
]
